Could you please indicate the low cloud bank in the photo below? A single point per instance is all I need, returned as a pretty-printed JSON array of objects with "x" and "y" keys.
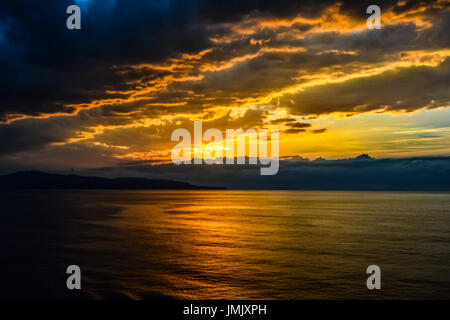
[{"x": 360, "y": 173}]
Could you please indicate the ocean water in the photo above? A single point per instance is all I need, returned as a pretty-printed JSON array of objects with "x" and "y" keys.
[{"x": 225, "y": 244}]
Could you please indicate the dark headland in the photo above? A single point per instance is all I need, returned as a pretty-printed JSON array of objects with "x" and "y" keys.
[{"x": 43, "y": 180}]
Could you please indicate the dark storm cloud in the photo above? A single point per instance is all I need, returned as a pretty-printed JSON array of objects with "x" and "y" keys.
[
  {"x": 282, "y": 120},
  {"x": 402, "y": 89},
  {"x": 34, "y": 134},
  {"x": 294, "y": 130},
  {"x": 45, "y": 66},
  {"x": 271, "y": 70},
  {"x": 438, "y": 35},
  {"x": 316, "y": 131},
  {"x": 296, "y": 127},
  {"x": 299, "y": 125}
]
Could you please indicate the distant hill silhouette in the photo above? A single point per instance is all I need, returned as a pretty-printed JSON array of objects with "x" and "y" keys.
[
  {"x": 364, "y": 156},
  {"x": 42, "y": 180}
]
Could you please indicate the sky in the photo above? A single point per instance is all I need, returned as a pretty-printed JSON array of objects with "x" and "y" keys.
[{"x": 113, "y": 92}]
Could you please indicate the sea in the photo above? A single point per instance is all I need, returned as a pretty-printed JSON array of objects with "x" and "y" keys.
[{"x": 224, "y": 244}]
